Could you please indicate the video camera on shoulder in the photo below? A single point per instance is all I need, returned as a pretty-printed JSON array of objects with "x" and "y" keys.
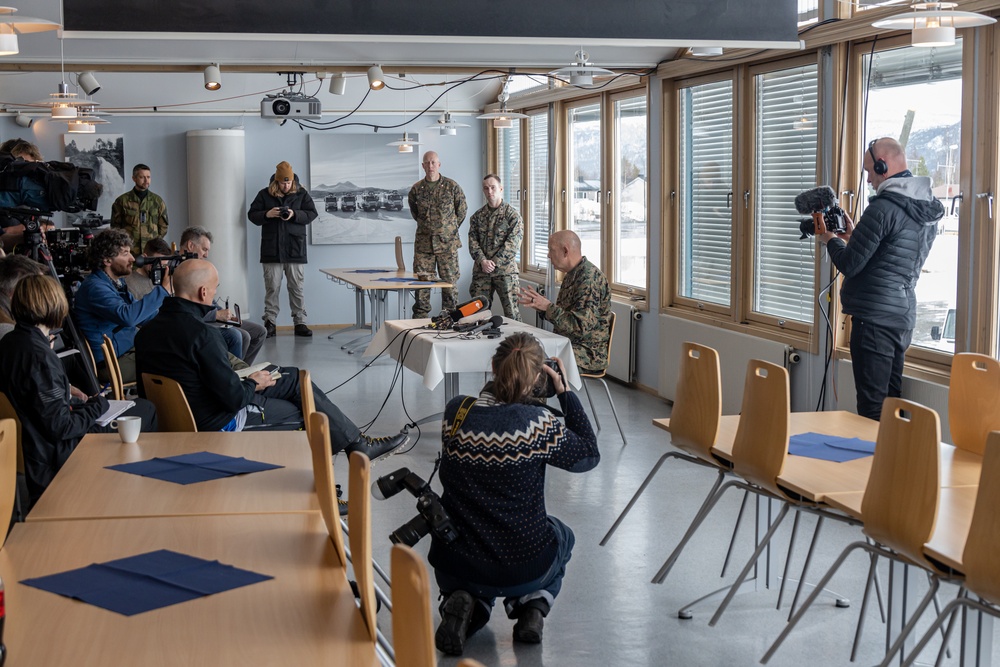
[
  {"x": 825, "y": 215},
  {"x": 431, "y": 515},
  {"x": 158, "y": 266}
]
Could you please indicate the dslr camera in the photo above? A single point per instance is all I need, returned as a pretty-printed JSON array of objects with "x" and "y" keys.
[
  {"x": 546, "y": 388},
  {"x": 283, "y": 212},
  {"x": 431, "y": 515}
]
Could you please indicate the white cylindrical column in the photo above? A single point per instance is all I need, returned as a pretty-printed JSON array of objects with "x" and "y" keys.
[{"x": 216, "y": 162}]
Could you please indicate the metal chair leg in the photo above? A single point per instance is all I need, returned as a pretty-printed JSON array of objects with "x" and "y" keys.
[
  {"x": 859, "y": 630},
  {"x": 782, "y": 513},
  {"x": 937, "y": 610},
  {"x": 614, "y": 412},
  {"x": 912, "y": 623},
  {"x": 788, "y": 560},
  {"x": 706, "y": 507},
  {"x": 593, "y": 410},
  {"x": 962, "y": 592},
  {"x": 805, "y": 565},
  {"x": 948, "y": 610},
  {"x": 638, "y": 493},
  {"x": 812, "y": 598},
  {"x": 736, "y": 530}
]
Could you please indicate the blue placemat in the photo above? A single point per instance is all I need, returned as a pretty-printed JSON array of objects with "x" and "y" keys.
[
  {"x": 395, "y": 280},
  {"x": 423, "y": 282},
  {"x": 829, "y": 447},
  {"x": 145, "y": 582},
  {"x": 369, "y": 271},
  {"x": 192, "y": 468}
]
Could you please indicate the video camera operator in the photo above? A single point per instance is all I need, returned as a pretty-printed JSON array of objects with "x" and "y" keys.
[
  {"x": 881, "y": 259},
  {"x": 494, "y": 457}
]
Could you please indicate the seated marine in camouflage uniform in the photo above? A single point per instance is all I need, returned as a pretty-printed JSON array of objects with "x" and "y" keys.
[{"x": 582, "y": 312}]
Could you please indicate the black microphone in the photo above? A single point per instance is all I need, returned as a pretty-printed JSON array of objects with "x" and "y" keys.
[
  {"x": 492, "y": 323},
  {"x": 815, "y": 200},
  {"x": 470, "y": 307}
]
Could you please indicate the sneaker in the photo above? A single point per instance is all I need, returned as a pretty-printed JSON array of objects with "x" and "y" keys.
[
  {"x": 270, "y": 328},
  {"x": 528, "y": 629},
  {"x": 378, "y": 448},
  {"x": 303, "y": 330},
  {"x": 455, "y": 615}
]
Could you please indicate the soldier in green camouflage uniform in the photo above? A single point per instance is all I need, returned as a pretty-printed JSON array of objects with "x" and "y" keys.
[
  {"x": 140, "y": 213},
  {"x": 438, "y": 205},
  {"x": 495, "y": 233},
  {"x": 582, "y": 312}
]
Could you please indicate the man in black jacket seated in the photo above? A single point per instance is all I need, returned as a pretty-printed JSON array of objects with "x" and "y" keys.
[
  {"x": 881, "y": 260},
  {"x": 178, "y": 344}
]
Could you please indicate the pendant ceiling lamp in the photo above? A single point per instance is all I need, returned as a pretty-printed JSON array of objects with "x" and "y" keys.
[
  {"x": 64, "y": 104},
  {"x": 502, "y": 119},
  {"x": 446, "y": 125},
  {"x": 581, "y": 72},
  {"x": 11, "y": 26},
  {"x": 406, "y": 144},
  {"x": 933, "y": 23}
]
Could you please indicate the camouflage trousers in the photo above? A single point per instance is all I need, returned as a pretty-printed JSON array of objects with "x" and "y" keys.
[
  {"x": 506, "y": 287},
  {"x": 445, "y": 265}
]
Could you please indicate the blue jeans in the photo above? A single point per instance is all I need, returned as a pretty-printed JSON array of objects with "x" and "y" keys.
[
  {"x": 877, "y": 357},
  {"x": 542, "y": 590}
]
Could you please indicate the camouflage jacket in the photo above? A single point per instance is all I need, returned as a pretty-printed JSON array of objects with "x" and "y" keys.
[
  {"x": 142, "y": 219},
  {"x": 495, "y": 233},
  {"x": 439, "y": 210},
  {"x": 582, "y": 313}
]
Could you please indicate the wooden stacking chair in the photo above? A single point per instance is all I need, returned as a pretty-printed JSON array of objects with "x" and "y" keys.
[
  {"x": 600, "y": 377},
  {"x": 899, "y": 505},
  {"x": 7, "y": 411},
  {"x": 469, "y": 662},
  {"x": 114, "y": 372},
  {"x": 980, "y": 565},
  {"x": 323, "y": 475},
  {"x": 359, "y": 518},
  {"x": 412, "y": 618},
  {"x": 973, "y": 400},
  {"x": 8, "y": 473},
  {"x": 173, "y": 413},
  {"x": 400, "y": 264},
  {"x": 307, "y": 397}
]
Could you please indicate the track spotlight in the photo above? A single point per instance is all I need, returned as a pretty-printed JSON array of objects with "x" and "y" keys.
[
  {"x": 22, "y": 120},
  {"x": 376, "y": 80},
  {"x": 213, "y": 77},
  {"x": 338, "y": 83},
  {"x": 88, "y": 83},
  {"x": 706, "y": 51}
]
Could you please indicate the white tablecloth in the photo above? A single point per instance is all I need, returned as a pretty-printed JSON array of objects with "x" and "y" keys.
[{"x": 435, "y": 353}]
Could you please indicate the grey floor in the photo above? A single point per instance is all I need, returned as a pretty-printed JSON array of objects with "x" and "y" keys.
[{"x": 609, "y": 613}]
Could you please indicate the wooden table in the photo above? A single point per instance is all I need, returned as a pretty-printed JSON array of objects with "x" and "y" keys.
[
  {"x": 377, "y": 291},
  {"x": 85, "y": 489},
  {"x": 306, "y": 615}
]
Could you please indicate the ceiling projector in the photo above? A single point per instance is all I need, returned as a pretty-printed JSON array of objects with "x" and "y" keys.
[{"x": 290, "y": 105}]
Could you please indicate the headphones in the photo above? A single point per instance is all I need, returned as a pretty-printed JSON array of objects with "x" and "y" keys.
[{"x": 878, "y": 166}]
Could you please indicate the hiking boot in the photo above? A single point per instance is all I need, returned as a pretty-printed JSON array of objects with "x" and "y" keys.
[
  {"x": 378, "y": 448},
  {"x": 455, "y": 615},
  {"x": 270, "y": 328},
  {"x": 303, "y": 330},
  {"x": 528, "y": 629}
]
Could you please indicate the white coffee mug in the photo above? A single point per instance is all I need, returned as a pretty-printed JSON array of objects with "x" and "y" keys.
[{"x": 128, "y": 428}]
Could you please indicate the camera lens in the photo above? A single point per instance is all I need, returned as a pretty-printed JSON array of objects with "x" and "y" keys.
[
  {"x": 281, "y": 107},
  {"x": 410, "y": 532}
]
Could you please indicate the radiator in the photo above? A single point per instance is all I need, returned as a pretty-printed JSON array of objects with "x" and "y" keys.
[
  {"x": 735, "y": 351},
  {"x": 622, "y": 358}
]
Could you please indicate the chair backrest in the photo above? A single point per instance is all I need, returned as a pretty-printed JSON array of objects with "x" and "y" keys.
[
  {"x": 359, "y": 519},
  {"x": 400, "y": 265},
  {"x": 973, "y": 400},
  {"x": 469, "y": 662},
  {"x": 114, "y": 371},
  {"x": 306, "y": 395},
  {"x": 412, "y": 620},
  {"x": 173, "y": 414},
  {"x": 326, "y": 485},
  {"x": 761, "y": 443},
  {"x": 900, "y": 504},
  {"x": 89, "y": 356},
  {"x": 979, "y": 561},
  {"x": 611, "y": 337},
  {"x": 8, "y": 474},
  {"x": 7, "y": 411},
  {"x": 694, "y": 419}
]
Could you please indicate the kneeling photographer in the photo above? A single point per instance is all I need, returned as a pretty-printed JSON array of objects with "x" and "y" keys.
[{"x": 494, "y": 456}]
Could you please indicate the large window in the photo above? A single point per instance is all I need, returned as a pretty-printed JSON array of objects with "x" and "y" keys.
[
  {"x": 628, "y": 202},
  {"x": 537, "y": 221},
  {"x": 585, "y": 177},
  {"x": 705, "y": 195},
  {"x": 509, "y": 167},
  {"x": 915, "y": 97}
]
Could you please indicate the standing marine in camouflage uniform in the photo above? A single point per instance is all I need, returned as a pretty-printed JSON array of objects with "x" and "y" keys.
[
  {"x": 495, "y": 233},
  {"x": 438, "y": 205},
  {"x": 140, "y": 213},
  {"x": 582, "y": 312}
]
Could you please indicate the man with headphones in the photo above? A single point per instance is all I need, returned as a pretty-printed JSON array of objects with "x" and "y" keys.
[{"x": 881, "y": 258}]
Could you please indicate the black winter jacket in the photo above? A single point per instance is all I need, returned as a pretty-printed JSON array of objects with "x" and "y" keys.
[
  {"x": 178, "y": 344},
  {"x": 34, "y": 380},
  {"x": 283, "y": 241},
  {"x": 886, "y": 251}
]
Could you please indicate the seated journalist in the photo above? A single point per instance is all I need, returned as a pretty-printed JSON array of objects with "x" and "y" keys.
[{"x": 493, "y": 467}]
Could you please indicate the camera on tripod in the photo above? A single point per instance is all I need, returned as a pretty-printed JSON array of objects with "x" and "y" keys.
[
  {"x": 825, "y": 214},
  {"x": 431, "y": 515}
]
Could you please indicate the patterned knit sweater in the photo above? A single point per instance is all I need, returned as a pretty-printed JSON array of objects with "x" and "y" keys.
[{"x": 493, "y": 474}]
